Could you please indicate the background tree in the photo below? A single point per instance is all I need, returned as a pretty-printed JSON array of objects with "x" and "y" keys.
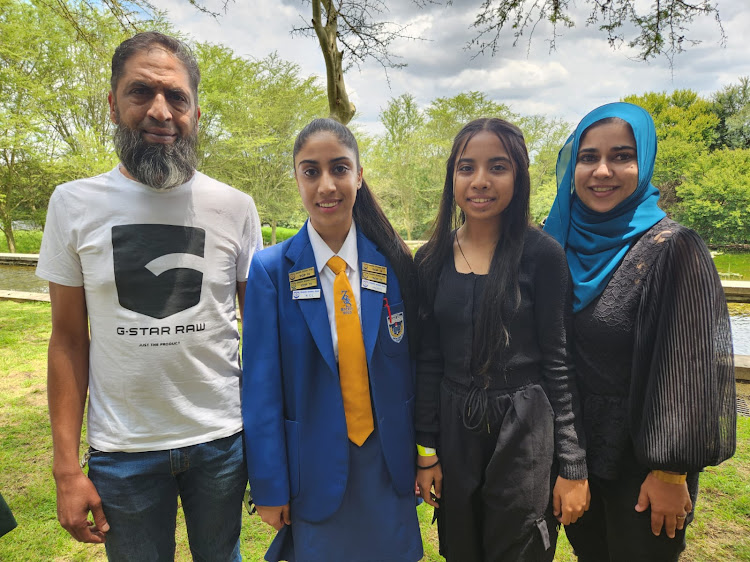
[
  {"x": 659, "y": 28},
  {"x": 447, "y": 115},
  {"x": 413, "y": 153},
  {"x": 544, "y": 137},
  {"x": 21, "y": 130},
  {"x": 53, "y": 117},
  {"x": 732, "y": 107},
  {"x": 252, "y": 111},
  {"x": 715, "y": 197},
  {"x": 401, "y": 171},
  {"x": 350, "y": 32},
  {"x": 685, "y": 128},
  {"x": 407, "y": 162}
]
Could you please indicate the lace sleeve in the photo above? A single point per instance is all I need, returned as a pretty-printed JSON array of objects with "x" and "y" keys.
[{"x": 682, "y": 402}]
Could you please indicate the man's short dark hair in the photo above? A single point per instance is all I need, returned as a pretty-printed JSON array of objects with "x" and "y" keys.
[{"x": 141, "y": 42}]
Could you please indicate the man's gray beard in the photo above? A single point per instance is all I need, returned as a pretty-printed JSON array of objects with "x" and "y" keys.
[{"x": 159, "y": 166}]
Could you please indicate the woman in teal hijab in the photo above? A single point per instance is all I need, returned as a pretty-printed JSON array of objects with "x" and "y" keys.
[
  {"x": 653, "y": 346},
  {"x": 596, "y": 238}
]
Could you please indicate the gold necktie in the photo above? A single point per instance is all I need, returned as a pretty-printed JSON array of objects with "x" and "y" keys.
[{"x": 355, "y": 386}]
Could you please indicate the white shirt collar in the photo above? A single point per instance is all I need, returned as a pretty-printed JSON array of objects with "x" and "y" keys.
[{"x": 323, "y": 253}]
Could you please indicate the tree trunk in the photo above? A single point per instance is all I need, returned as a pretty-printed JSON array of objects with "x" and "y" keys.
[
  {"x": 273, "y": 232},
  {"x": 9, "y": 237},
  {"x": 339, "y": 106}
]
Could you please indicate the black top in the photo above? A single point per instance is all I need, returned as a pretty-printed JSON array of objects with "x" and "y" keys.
[
  {"x": 538, "y": 350},
  {"x": 654, "y": 359}
]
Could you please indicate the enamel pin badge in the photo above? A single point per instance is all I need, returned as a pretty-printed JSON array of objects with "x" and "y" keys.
[
  {"x": 374, "y": 277},
  {"x": 300, "y": 283}
]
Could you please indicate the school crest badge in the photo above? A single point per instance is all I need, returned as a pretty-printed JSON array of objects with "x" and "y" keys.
[{"x": 396, "y": 326}]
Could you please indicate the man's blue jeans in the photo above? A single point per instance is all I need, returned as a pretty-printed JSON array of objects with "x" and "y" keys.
[{"x": 139, "y": 496}]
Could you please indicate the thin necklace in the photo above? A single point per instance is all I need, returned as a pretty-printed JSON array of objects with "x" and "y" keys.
[{"x": 460, "y": 249}]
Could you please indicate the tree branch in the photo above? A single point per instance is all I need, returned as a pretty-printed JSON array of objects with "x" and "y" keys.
[{"x": 662, "y": 29}]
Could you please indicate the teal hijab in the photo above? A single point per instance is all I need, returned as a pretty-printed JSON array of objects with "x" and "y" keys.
[{"x": 595, "y": 243}]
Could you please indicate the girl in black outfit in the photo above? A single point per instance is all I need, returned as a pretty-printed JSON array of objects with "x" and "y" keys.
[
  {"x": 497, "y": 409},
  {"x": 653, "y": 347}
]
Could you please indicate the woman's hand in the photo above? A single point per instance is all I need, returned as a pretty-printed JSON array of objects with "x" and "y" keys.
[
  {"x": 570, "y": 499},
  {"x": 429, "y": 479},
  {"x": 670, "y": 504},
  {"x": 275, "y": 516}
]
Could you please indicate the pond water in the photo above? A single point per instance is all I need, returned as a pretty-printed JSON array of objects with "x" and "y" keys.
[
  {"x": 22, "y": 278},
  {"x": 740, "y": 329}
]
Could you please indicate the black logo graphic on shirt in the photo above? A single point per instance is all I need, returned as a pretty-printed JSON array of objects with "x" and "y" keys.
[{"x": 156, "y": 267}]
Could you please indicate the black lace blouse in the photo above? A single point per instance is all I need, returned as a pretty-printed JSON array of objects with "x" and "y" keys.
[{"x": 654, "y": 359}]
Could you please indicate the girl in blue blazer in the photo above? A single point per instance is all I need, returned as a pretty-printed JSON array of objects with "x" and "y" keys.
[{"x": 330, "y": 498}]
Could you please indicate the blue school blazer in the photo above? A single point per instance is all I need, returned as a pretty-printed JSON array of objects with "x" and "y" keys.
[{"x": 295, "y": 430}]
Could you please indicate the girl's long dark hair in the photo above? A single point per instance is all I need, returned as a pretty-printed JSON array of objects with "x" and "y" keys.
[
  {"x": 501, "y": 295},
  {"x": 372, "y": 222}
]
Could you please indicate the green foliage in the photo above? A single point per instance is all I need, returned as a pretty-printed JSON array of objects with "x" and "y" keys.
[
  {"x": 27, "y": 242},
  {"x": 402, "y": 169},
  {"x": 407, "y": 164},
  {"x": 732, "y": 107},
  {"x": 54, "y": 127},
  {"x": 54, "y": 116},
  {"x": 544, "y": 137},
  {"x": 281, "y": 234},
  {"x": 448, "y": 115},
  {"x": 715, "y": 196},
  {"x": 685, "y": 129},
  {"x": 252, "y": 111},
  {"x": 53, "y": 109}
]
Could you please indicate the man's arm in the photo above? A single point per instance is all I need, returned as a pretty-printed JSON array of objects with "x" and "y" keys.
[
  {"x": 67, "y": 386},
  {"x": 241, "y": 286}
]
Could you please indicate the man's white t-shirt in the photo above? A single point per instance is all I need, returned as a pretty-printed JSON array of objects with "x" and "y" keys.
[{"x": 160, "y": 270}]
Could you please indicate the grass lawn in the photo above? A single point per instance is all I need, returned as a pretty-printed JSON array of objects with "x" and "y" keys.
[
  {"x": 281, "y": 234},
  {"x": 733, "y": 266},
  {"x": 721, "y": 530},
  {"x": 27, "y": 241}
]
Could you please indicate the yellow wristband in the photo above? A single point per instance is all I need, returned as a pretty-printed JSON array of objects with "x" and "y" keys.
[
  {"x": 426, "y": 451},
  {"x": 668, "y": 477}
]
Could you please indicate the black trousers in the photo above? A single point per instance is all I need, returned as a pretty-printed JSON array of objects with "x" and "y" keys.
[
  {"x": 613, "y": 531},
  {"x": 495, "y": 504}
]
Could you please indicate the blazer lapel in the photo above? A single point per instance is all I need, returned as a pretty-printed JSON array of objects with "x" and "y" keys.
[
  {"x": 300, "y": 253},
  {"x": 372, "y": 301}
]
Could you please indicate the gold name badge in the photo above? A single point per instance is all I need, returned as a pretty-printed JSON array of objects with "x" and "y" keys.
[
  {"x": 301, "y": 274},
  {"x": 303, "y": 283},
  {"x": 377, "y": 277},
  {"x": 372, "y": 268}
]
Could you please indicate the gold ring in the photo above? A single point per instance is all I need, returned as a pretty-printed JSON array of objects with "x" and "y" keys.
[{"x": 681, "y": 516}]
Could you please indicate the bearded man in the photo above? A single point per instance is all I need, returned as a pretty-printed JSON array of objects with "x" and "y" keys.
[{"x": 144, "y": 264}]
